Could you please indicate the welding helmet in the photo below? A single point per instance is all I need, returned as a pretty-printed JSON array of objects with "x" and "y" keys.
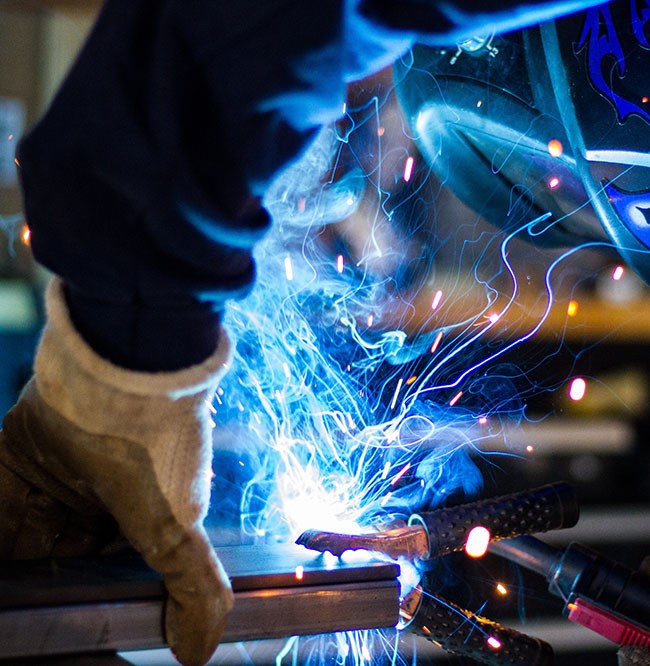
[{"x": 553, "y": 120}]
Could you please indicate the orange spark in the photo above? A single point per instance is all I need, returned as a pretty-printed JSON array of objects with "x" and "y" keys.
[
  {"x": 477, "y": 542},
  {"x": 455, "y": 399},
  {"x": 400, "y": 474},
  {"x": 408, "y": 169},
  {"x": 494, "y": 643},
  {"x": 577, "y": 389},
  {"x": 436, "y": 300},
  {"x": 436, "y": 343}
]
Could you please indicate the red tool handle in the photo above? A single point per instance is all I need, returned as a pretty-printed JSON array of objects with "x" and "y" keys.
[{"x": 607, "y": 624}]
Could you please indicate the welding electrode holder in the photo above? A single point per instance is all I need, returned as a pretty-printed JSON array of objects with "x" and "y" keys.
[
  {"x": 430, "y": 535},
  {"x": 466, "y": 634},
  {"x": 549, "y": 507},
  {"x": 577, "y": 575}
]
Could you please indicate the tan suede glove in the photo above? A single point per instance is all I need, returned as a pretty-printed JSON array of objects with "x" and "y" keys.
[
  {"x": 88, "y": 441},
  {"x": 633, "y": 656}
]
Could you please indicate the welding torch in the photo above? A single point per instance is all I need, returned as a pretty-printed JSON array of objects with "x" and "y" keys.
[
  {"x": 432, "y": 534},
  {"x": 599, "y": 593}
]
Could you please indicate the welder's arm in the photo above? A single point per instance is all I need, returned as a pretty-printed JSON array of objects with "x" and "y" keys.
[
  {"x": 94, "y": 453},
  {"x": 141, "y": 187}
]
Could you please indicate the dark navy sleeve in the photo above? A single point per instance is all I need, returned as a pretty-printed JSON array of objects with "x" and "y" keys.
[
  {"x": 142, "y": 183},
  {"x": 144, "y": 176}
]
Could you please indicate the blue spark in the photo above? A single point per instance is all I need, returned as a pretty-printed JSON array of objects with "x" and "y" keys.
[{"x": 317, "y": 395}]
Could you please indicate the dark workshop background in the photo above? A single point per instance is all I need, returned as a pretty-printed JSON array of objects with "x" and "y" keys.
[{"x": 600, "y": 444}]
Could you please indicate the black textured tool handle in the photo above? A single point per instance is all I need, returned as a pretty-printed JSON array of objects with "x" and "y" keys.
[
  {"x": 469, "y": 635},
  {"x": 542, "y": 509}
]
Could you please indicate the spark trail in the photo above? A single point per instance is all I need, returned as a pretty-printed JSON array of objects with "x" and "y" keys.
[
  {"x": 341, "y": 414},
  {"x": 317, "y": 389},
  {"x": 13, "y": 227}
]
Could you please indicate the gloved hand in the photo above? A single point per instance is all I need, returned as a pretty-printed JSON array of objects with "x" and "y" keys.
[
  {"x": 633, "y": 656},
  {"x": 89, "y": 440}
]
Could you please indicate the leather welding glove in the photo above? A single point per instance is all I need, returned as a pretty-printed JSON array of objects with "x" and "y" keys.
[
  {"x": 88, "y": 440},
  {"x": 633, "y": 656}
]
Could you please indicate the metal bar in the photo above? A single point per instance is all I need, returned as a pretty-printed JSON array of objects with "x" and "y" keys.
[
  {"x": 137, "y": 625},
  {"x": 80, "y": 606},
  {"x": 78, "y": 660}
]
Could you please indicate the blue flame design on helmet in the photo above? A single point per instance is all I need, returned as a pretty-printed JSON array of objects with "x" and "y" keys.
[
  {"x": 582, "y": 80},
  {"x": 603, "y": 43},
  {"x": 634, "y": 210}
]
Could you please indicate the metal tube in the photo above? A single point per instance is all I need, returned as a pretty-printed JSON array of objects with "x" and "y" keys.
[
  {"x": 580, "y": 572},
  {"x": 528, "y": 552}
]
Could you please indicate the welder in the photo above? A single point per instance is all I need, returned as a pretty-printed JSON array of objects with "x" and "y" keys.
[{"x": 142, "y": 186}]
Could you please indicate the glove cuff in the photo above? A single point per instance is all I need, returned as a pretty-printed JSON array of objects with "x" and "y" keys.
[
  {"x": 633, "y": 656},
  {"x": 72, "y": 348},
  {"x": 161, "y": 416},
  {"x": 83, "y": 387}
]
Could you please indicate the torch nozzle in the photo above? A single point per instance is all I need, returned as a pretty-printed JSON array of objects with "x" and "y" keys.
[{"x": 409, "y": 542}]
